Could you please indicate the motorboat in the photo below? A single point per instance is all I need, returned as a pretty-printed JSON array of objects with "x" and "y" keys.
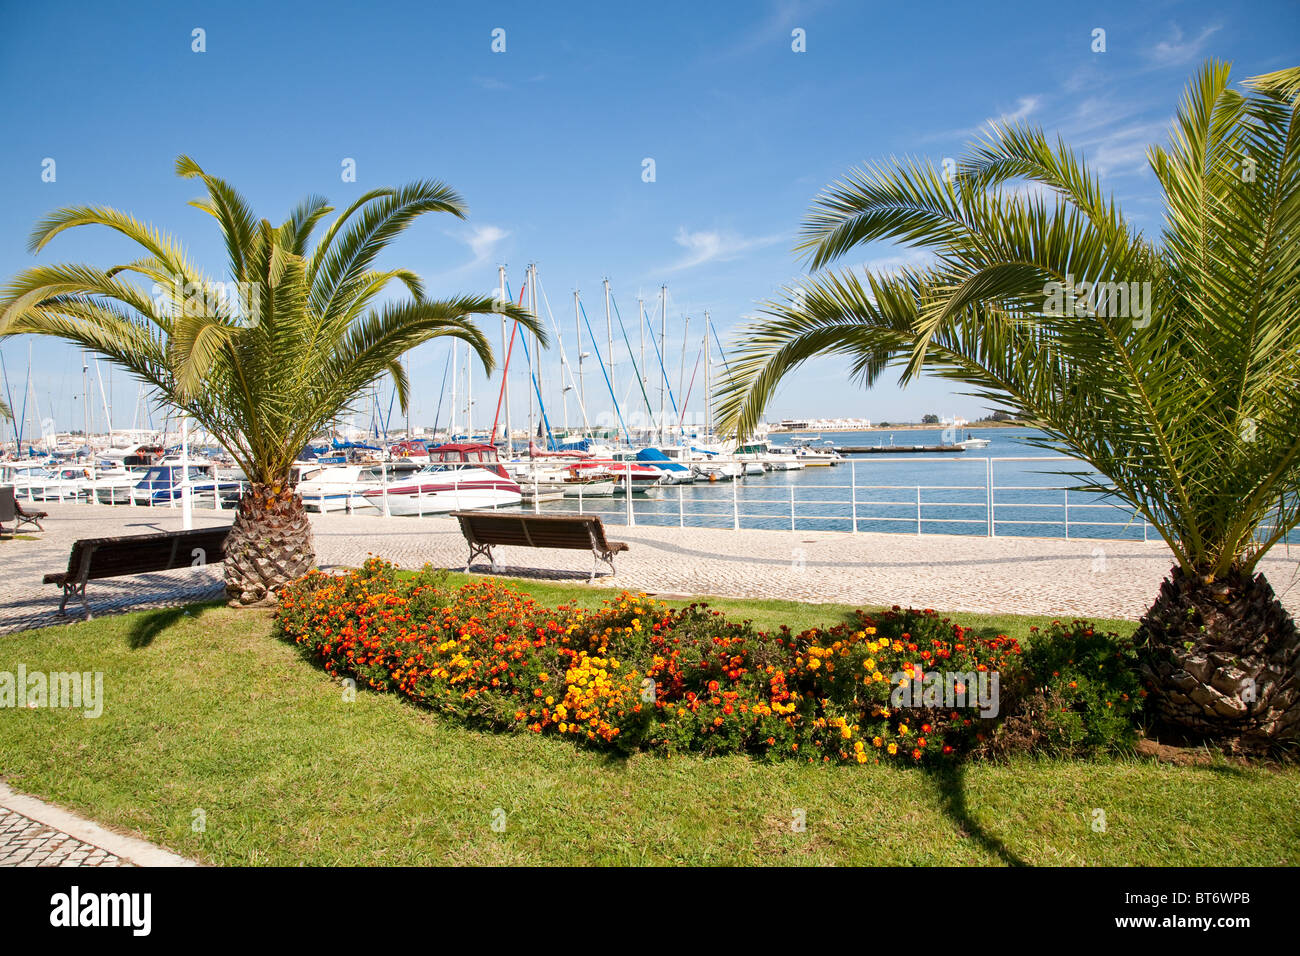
[
  {"x": 342, "y": 487},
  {"x": 165, "y": 482},
  {"x": 460, "y": 476}
]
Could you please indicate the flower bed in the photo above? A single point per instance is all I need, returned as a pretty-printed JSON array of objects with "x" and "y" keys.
[{"x": 637, "y": 674}]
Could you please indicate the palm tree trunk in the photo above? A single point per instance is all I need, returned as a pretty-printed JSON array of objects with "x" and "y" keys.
[
  {"x": 269, "y": 545},
  {"x": 1220, "y": 660}
]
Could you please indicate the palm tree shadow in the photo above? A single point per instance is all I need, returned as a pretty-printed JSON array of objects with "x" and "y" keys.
[
  {"x": 149, "y": 624},
  {"x": 949, "y": 784}
]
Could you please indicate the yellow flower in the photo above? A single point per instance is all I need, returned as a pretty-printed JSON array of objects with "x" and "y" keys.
[{"x": 892, "y": 748}]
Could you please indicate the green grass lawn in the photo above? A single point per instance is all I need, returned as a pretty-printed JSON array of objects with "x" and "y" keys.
[{"x": 205, "y": 711}]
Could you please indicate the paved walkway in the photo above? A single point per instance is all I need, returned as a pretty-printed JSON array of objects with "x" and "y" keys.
[
  {"x": 1048, "y": 576},
  {"x": 35, "y": 833}
]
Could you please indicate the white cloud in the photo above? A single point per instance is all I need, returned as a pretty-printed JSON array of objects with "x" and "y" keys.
[
  {"x": 713, "y": 246},
  {"x": 482, "y": 242},
  {"x": 490, "y": 83},
  {"x": 772, "y": 32},
  {"x": 1176, "y": 51},
  {"x": 1123, "y": 149},
  {"x": 1025, "y": 107}
]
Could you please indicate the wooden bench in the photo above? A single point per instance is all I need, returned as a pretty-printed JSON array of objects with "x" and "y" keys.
[
  {"x": 11, "y": 509},
  {"x": 485, "y": 529},
  {"x": 96, "y": 558}
]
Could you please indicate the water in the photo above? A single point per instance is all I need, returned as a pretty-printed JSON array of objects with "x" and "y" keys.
[{"x": 1029, "y": 499}]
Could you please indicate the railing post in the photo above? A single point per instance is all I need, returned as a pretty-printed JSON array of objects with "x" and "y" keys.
[
  {"x": 383, "y": 486},
  {"x": 735, "y": 507},
  {"x": 419, "y": 500},
  {"x": 631, "y": 514},
  {"x": 1067, "y": 514},
  {"x": 537, "y": 502},
  {"x": 918, "y": 509},
  {"x": 681, "y": 505},
  {"x": 988, "y": 482},
  {"x": 853, "y": 492},
  {"x": 579, "y": 495},
  {"x": 792, "y": 507}
]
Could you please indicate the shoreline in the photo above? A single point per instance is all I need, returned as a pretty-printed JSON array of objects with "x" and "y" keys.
[{"x": 895, "y": 428}]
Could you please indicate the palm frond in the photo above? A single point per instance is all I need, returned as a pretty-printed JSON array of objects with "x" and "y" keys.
[{"x": 1171, "y": 368}]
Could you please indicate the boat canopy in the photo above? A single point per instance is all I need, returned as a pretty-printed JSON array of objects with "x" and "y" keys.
[
  {"x": 340, "y": 445},
  {"x": 463, "y": 451},
  {"x": 660, "y": 460}
]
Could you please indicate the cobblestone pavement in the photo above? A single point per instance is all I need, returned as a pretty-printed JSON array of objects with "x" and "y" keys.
[
  {"x": 36, "y": 833},
  {"x": 1047, "y": 576},
  {"x": 25, "y": 602},
  {"x": 27, "y": 842}
]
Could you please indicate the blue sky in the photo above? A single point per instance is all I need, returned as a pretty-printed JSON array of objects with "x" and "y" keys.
[{"x": 546, "y": 141}]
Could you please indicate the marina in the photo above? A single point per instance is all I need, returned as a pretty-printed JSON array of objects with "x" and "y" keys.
[{"x": 1005, "y": 489}]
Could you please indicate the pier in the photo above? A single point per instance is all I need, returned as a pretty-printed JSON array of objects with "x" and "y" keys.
[{"x": 899, "y": 449}]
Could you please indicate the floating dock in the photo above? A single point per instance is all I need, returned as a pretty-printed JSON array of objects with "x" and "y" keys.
[{"x": 900, "y": 449}]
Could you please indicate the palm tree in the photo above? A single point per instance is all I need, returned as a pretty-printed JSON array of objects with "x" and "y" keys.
[
  {"x": 1181, "y": 388},
  {"x": 5, "y": 414},
  {"x": 266, "y": 359}
]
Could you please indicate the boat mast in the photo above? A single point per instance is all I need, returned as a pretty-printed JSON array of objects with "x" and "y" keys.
[
  {"x": 708, "y": 425},
  {"x": 451, "y": 428},
  {"x": 663, "y": 341},
  {"x": 577, "y": 328},
  {"x": 640, "y": 311},
  {"x": 505, "y": 372},
  {"x": 469, "y": 396},
  {"x": 681, "y": 387},
  {"x": 85, "y": 400},
  {"x": 532, "y": 307},
  {"x": 609, "y": 329}
]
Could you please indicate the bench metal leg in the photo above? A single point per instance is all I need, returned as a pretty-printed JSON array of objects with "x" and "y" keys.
[
  {"x": 596, "y": 557},
  {"x": 481, "y": 551},
  {"x": 77, "y": 590}
]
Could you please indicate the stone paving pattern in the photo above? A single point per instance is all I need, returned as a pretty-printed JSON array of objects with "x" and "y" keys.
[
  {"x": 1048, "y": 576},
  {"x": 26, "y": 842}
]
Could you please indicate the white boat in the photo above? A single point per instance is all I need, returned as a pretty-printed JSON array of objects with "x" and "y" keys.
[
  {"x": 343, "y": 487},
  {"x": 763, "y": 453},
  {"x": 570, "y": 483},
  {"x": 815, "y": 455},
  {"x": 164, "y": 483},
  {"x": 461, "y": 476},
  {"x": 974, "y": 442},
  {"x": 112, "y": 484}
]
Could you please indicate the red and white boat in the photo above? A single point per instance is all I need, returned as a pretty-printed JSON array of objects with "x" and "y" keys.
[
  {"x": 458, "y": 477},
  {"x": 641, "y": 477}
]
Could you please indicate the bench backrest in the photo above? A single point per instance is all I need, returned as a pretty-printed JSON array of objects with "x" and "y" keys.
[
  {"x": 145, "y": 553},
  {"x": 8, "y": 505},
  {"x": 580, "y": 532}
]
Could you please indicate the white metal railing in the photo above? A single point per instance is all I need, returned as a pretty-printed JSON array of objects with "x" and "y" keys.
[{"x": 857, "y": 506}]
